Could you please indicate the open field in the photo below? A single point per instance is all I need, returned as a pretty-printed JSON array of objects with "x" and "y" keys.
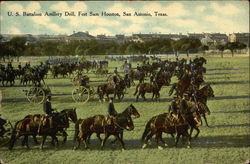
[{"x": 226, "y": 141}]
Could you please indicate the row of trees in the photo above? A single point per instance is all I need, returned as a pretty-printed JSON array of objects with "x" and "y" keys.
[{"x": 18, "y": 46}]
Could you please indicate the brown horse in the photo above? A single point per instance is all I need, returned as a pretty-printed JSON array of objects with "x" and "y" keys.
[
  {"x": 117, "y": 89},
  {"x": 36, "y": 125},
  {"x": 182, "y": 86},
  {"x": 201, "y": 99},
  {"x": 162, "y": 123},
  {"x": 105, "y": 124},
  {"x": 155, "y": 87}
]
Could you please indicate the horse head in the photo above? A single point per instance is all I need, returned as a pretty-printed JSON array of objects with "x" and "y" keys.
[
  {"x": 210, "y": 91},
  {"x": 71, "y": 113},
  {"x": 133, "y": 111},
  {"x": 130, "y": 123}
]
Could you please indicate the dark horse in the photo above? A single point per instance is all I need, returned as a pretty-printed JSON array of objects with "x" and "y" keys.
[
  {"x": 108, "y": 125},
  {"x": 40, "y": 125},
  {"x": 162, "y": 123}
]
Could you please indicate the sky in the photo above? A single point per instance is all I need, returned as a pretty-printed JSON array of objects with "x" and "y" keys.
[{"x": 182, "y": 17}]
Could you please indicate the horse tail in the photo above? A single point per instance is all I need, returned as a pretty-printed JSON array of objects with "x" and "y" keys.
[
  {"x": 136, "y": 89},
  {"x": 13, "y": 136},
  {"x": 146, "y": 131}
]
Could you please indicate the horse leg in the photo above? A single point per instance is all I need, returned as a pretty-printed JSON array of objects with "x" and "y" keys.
[
  {"x": 188, "y": 139},
  {"x": 191, "y": 131},
  {"x": 204, "y": 116},
  {"x": 88, "y": 138},
  {"x": 99, "y": 137},
  {"x": 56, "y": 139},
  {"x": 143, "y": 96},
  {"x": 177, "y": 139},
  {"x": 65, "y": 136},
  {"x": 198, "y": 131},
  {"x": 26, "y": 138},
  {"x": 149, "y": 136},
  {"x": 42, "y": 143},
  {"x": 77, "y": 143},
  {"x": 121, "y": 141},
  {"x": 104, "y": 140},
  {"x": 35, "y": 139},
  {"x": 157, "y": 140},
  {"x": 161, "y": 139},
  {"x": 153, "y": 95},
  {"x": 137, "y": 97}
]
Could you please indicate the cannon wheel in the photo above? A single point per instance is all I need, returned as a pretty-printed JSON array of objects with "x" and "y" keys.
[
  {"x": 75, "y": 80},
  {"x": 36, "y": 95},
  {"x": 5, "y": 138},
  {"x": 81, "y": 94}
]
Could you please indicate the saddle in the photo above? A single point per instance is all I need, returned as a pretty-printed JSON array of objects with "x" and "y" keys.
[{"x": 108, "y": 120}]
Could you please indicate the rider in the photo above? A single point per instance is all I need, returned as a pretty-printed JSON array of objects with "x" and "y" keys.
[
  {"x": 184, "y": 103},
  {"x": 127, "y": 80},
  {"x": 47, "y": 108},
  {"x": 173, "y": 108},
  {"x": 111, "y": 108},
  {"x": 152, "y": 79},
  {"x": 115, "y": 78}
]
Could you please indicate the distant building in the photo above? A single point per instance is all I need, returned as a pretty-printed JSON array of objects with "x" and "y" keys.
[
  {"x": 120, "y": 37},
  {"x": 218, "y": 38},
  {"x": 142, "y": 37},
  {"x": 80, "y": 36},
  {"x": 172, "y": 36},
  {"x": 239, "y": 37},
  {"x": 196, "y": 35}
]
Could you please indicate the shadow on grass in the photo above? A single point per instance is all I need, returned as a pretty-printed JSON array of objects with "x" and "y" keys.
[
  {"x": 230, "y": 126},
  {"x": 214, "y": 69},
  {"x": 222, "y": 141},
  {"x": 233, "y": 111},
  {"x": 67, "y": 98}
]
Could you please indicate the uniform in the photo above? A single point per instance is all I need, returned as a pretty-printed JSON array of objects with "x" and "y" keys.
[
  {"x": 111, "y": 109},
  {"x": 47, "y": 108}
]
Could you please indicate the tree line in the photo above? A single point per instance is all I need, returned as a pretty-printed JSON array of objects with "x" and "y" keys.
[{"x": 18, "y": 46}]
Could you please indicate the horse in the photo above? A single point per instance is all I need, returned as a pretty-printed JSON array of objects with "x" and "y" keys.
[
  {"x": 162, "y": 123},
  {"x": 41, "y": 125},
  {"x": 182, "y": 85},
  {"x": 108, "y": 125},
  {"x": 117, "y": 89},
  {"x": 136, "y": 75},
  {"x": 155, "y": 87},
  {"x": 201, "y": 99}
]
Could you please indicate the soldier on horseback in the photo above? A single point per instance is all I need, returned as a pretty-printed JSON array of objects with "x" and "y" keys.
[
  {"x": 111, "y": 108},
  {"x": 184, "y": 102},
  {"x": 174, "y": 108},
  {"x": 47, "y": 108}
]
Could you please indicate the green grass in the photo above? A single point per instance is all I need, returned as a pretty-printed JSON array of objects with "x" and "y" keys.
[{"x": 226, "y": 141}]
